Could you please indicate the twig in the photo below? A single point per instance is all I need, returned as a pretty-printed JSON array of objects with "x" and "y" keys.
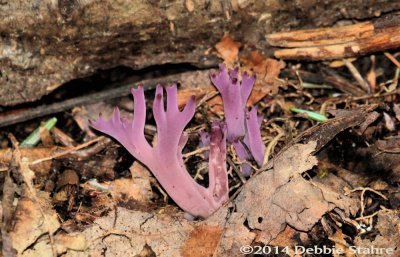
[
  {"x": 195, "y": 152},
  {"x": 357, "y": 76},
  {"x": 237, "y": 171},
  {"x": 90, "y": 151},
  {"x": 341, "y": 83},
  {"x": 207, "y": 97},
  {"x": 397, "y": 150},
  {"x": 67, "y": 151},
  {"x": 394, "y": 92},
  {"x": 371, "y": 75},
  {"x": 198, "y": 175},
  {"x": 363, "y": 190},
  {"x": 63, "y": 138},
  {"x": 368, "y": 217},
  {"x": 272, "y": 145},
  {"x": 391, "y": 58}
]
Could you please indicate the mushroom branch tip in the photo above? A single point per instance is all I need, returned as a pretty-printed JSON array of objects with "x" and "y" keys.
[{"x": 234, "y": 94}]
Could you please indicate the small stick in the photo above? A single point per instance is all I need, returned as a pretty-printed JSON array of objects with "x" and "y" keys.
[
  {"x": 73, "y": 149},
  {"x": 237, "y": 171},
  {"x": 394, "y": 92},
  {"x": 363, "y": 190},
  {"x": 195, "y": 152},
  {"x": 357, "y": 76},
  {"x": 63, "y": 138},
  {"x": 396, "y": 150},
  {"x": 271, "y": 146},
  {"x": 207, "y": 97},
  {"x": 86, "y": 153},
  {"x": 391, "y": 58}
]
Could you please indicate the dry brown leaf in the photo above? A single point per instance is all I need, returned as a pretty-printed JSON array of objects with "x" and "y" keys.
[
  {"x": 164, "y": 234},
  {"x": 167, "y": 234},
  {"x": 235, "y": 235},
  {"x": 42, "y": 248},
  {"x": 63, "y": 242},
  {"x": 8, "y": 208},
  {"x": 385, "y": 157},
  {"x": 266, "y": 68},
  {"x": 286, "y": 238},
  {"x": 204, "y": 238},
  {"x": 34, "y": 215},
  {"x": 73, "y": 241},
  {"x": 40, "y": 169},
  {"x": 267, "y": 71},
  {"x": 396, "y": 109},
  {"x": 137, "y": 188},
  {"x": 369, "y": 119},
  {"x": 283, "y": 197},
  {"x": 32, "y": 220},
  {"x": 268, "y": 204},
  {"x": 339, "y": 239},
  {"x": 228, "y": 49},
  {"x": 189, "y": 5},
  {"x": 45, "y": 137},
  {"x": 185, "y": 93},
  {"x": 389, "y": 122}
]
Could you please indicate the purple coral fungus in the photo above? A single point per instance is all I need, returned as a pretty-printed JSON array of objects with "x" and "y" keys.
[
  {"x": 234, "y": 95},
  {"x": 243, "y": 126},
  {"x": 165, "y": 158}
]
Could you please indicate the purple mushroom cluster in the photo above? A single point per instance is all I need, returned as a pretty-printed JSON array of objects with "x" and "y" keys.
[
  {"x": 240, "y": 128},
  {"x": 243, "y": 125}
]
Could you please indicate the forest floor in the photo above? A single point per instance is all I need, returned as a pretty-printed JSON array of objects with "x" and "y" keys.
[{"x": 72, "y": 191}]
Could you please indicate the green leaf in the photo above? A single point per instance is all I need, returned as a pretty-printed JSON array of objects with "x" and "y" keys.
[
  {"x": 311, "y": 115},
  {"x": 34, "y": 138}
]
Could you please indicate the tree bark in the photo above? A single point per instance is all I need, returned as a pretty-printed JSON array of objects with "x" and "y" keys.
[{"x": 45, "y": 43}]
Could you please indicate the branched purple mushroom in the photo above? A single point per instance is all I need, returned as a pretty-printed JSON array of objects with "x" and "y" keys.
[
  {"x": 253, "y": 136},
  {"x": 165, "y": 158},
  {"x": 234, "y": 96},
  {"x": 243, "y": 126}
]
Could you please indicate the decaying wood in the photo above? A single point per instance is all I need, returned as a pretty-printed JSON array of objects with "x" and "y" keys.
[
  {"x": 332, "y": 43},
  {"x": 19, "y": 115},
  {"x": 44, "y": 44},
  {"x": 323, "y": 36}
]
